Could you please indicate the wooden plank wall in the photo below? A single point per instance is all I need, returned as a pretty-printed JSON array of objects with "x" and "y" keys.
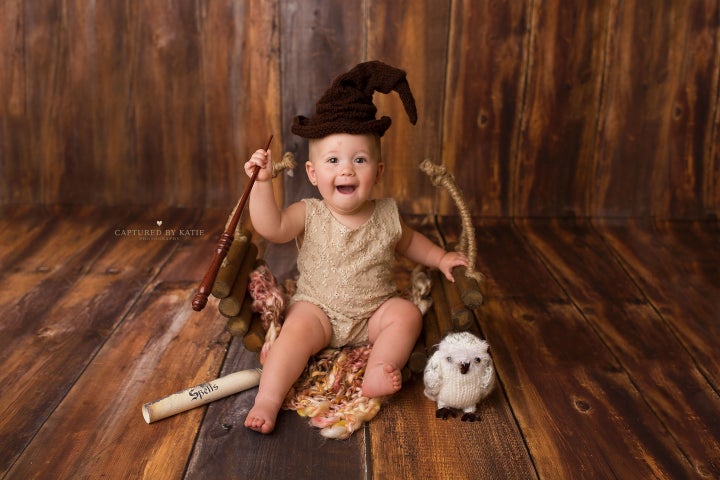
[{"x": 540, "y": 108}]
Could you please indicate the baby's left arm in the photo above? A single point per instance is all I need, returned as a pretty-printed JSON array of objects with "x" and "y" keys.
[{"x": 418, "y": 248}]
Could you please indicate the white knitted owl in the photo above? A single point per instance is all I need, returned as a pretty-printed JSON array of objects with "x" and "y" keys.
[{"x": 459, "y": 374}]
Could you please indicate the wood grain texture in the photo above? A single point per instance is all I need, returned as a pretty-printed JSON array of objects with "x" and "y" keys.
[
  {"x": 109, "y": 424},
  {"x": 242, "y": 96},
  {"x": 557, "y": 136},
  {"x": 711, "y": 163},
  {"x": 50, "y": 265},
  {"x": 135, "y": 103},
  {"x": 594, "y": 422},
  {"x": 22, "y": 230},
  {"x": 40, "y": 170},
  {"x": 65, "y": 319},
  {"x": 646, "y": 128},
  {"x": 550, "y": 108},
  {"x": 166, "y": 105},
  {"x": 412, "y": 36},
  {"x": 12, "y": 78},
  {"x": 113, "y": 47},
  {"x": 494, "y": 239},
  {"x": 684, "y": 287},
  {"x": 694, "y": 104},
  {"x": 666, "y": 375},
  {"x": 423, "y": 446},
  {"x": 597, "y": 395},
  {"x": 483, "y": 99},
  {"x": 77, "y": 69}
]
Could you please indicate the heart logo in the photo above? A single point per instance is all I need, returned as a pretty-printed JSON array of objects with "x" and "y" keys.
[{"x": 159, "y": 223}]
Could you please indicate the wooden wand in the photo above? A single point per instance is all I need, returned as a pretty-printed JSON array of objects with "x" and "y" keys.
[{"x": 223, "y": 245}]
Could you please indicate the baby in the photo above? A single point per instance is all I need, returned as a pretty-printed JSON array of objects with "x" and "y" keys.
[{"x": 345, "y": 292}]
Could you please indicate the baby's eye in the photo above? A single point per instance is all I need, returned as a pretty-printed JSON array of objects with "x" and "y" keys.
[
  {"x": 332, "y": 160},
  {"x": 360, "y": 160}
]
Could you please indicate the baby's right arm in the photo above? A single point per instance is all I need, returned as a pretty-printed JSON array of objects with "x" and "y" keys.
[{"x": 275, "y": 225}]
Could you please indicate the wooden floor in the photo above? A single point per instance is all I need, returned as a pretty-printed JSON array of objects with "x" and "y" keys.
[{"x": 605, "y": 338}]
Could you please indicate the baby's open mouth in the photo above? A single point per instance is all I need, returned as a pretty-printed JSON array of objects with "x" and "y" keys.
[{"x": 345, "y": 188}]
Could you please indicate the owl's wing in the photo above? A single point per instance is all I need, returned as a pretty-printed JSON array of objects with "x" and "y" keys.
[
  {"x": 432, "y": 377},
  {"x": 488, "y": 378}
]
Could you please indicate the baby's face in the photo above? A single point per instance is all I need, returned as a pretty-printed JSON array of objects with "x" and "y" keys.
[{"x": 345, "y": 169}]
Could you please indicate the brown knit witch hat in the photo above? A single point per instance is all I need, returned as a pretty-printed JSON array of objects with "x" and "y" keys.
[{"x": 347, "y": 106}]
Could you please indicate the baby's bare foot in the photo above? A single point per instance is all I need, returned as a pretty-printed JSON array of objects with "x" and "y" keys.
[
  {"x": 380, "y": 380},
  {"x": 261, "y": 417}
]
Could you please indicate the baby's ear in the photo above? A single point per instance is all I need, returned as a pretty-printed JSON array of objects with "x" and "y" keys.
[
  {"x": 310, "y": 170},
  {"x": 380, "y": 170}
]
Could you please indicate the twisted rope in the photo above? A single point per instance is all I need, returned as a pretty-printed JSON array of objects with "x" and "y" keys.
[{"x": 440, "y": 177}]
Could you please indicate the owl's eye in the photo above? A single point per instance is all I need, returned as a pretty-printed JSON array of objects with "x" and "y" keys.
[
  {"x": 477, "y": 360},
  {"x": 449, "y": 359}
]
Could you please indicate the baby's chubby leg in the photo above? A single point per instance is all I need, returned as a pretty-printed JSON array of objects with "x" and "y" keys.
[
  {"x": 393, "y": 330},
  {"x": 306, "y": 331}
]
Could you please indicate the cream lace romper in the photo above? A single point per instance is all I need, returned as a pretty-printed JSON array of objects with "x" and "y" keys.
[{"x": 346, "y": 272}]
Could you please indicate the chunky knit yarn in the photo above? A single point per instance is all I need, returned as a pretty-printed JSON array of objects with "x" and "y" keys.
[{"x": 347, "y": 106}]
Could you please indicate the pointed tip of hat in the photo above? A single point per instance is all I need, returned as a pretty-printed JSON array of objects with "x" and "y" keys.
[{"x": 408, "y": 100}]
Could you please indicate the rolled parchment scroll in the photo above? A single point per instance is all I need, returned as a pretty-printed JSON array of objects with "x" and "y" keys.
[{"x": 200, "y": 394}]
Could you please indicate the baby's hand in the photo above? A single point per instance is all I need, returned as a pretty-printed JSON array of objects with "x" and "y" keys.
[
  {"x": 451, "y": 260},
  {"x": 263, "y": 159}
]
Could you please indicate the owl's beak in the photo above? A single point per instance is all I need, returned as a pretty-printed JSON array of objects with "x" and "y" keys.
[{"x": 464, "y": 367}]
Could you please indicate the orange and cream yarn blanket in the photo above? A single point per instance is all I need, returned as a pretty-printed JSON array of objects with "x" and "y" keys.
[{"x": 329, "y": 391}]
